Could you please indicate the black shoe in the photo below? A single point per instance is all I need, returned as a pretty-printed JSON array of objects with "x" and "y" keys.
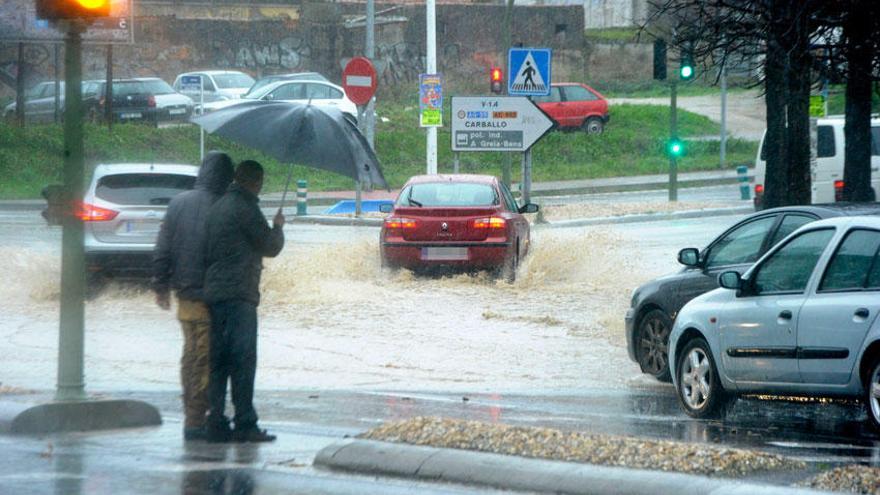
[
  {"x": 195, "y": 433},
  {"x": 218, "y": 435},
  {"x": 252, "y": 435}
]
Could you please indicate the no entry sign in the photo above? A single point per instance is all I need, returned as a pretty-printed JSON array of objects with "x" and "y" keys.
[{"x": 359, "y": 80}]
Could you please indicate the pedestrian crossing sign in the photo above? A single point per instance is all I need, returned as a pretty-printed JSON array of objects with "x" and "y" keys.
[{"x": 528, "y": 71}]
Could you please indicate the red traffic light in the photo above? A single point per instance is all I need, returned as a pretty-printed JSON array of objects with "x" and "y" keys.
[
  {"x": 496, "y": 80},
  {"x": 72, "y": 9}
]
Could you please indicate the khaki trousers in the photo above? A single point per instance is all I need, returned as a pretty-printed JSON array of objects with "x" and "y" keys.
[{"x": 195, "y": 363}]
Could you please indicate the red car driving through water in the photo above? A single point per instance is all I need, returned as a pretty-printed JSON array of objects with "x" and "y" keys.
[{"x": 464, "y": 222}]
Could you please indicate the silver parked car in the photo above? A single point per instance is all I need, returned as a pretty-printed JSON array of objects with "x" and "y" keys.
[
  {"x": 122, "y": 211},
  {"x": 802, "y": 321}
]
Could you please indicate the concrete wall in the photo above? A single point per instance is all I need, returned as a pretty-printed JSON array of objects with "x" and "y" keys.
[
  {"x": 317, "y": 38},
  {"x": 614, "y": 13}
]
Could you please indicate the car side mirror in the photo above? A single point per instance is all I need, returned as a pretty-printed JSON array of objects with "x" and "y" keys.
[
  {"x": 386, "y": 207},
  {"x": 528, "y": 208},
  {"x": 689, "y": 257},
  {"x": 730, "y": 280}
]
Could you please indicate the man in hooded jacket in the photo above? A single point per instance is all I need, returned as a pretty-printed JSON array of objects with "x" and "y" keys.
[{"x": 179, "y": 264}]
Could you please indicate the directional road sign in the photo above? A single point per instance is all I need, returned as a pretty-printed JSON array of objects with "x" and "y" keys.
[
  {"x": 528, "y": 71},
  {"x": 496, "y": 123},
  {"x": 359, "y": 80}
]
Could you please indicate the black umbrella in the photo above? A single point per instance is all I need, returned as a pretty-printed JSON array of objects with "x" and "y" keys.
[{"x": 316, "y": 136}]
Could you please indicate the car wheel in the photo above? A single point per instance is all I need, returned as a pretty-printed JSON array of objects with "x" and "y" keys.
[
  {"x": 699, "y": 388},
  {"x": 593, "y": 125},
  {"x": 872, "y": 393},
  {"x": 653, "y": 344},
  {"x": 508, "y": 269}
]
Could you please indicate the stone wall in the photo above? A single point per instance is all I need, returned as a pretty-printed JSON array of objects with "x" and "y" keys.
[{"x": 319, "y": 39}]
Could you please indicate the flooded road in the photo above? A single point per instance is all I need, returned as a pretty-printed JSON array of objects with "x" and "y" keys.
[
  {"x": 331, "y": 318},
  {"x": 344, "y": 344}
]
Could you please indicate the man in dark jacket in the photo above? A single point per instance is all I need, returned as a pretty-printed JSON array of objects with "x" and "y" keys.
[
  {"x": 238, "y": 239},
  {"x": 179, "y": 264}
]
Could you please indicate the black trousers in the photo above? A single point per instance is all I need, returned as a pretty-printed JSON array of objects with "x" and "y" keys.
[{"x": 233, "y": 360}]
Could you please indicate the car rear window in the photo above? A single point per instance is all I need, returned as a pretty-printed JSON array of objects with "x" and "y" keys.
[
  {"x": 234, "y": 80},
  {"x": 142, "y": 189},
  {"x": 448, "y": 194}
]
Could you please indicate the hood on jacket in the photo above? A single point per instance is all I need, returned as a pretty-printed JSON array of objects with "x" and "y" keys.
[{"x": 216, "y": 172}]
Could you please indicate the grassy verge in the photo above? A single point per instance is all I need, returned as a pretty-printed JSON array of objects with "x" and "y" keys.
[{"x": 633, "y": 144}]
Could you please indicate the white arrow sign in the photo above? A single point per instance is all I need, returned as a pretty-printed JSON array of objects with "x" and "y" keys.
[{"x": 496, "y": 123}]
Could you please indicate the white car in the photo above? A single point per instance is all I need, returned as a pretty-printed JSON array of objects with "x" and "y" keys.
[
  {"x": 801, "y": 321},
  {"x": 122, "y": 211},
  {"x": 827, "y": 175},
  {"x": 218, "y": 85},
  {"x": 39, "y": 103},
  {"x": 320, "y": 93}
]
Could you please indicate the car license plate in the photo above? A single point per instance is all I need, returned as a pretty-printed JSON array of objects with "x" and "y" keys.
[
  {"x": 177, "y": 111},
  {"x": 142, "y": 226},
  {"x": 135, "y": 115},
  {"x": 444, "y": 253}
]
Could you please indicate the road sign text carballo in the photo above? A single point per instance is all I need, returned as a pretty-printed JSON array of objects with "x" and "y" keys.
[{"x": 496, "y": 123}]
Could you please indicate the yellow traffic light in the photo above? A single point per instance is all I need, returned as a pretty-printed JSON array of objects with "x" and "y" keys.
[{"x": 72, "y": 9}]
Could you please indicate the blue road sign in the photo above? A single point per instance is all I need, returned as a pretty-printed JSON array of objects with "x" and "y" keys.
[
  {"x": 192, "y": 83},
  {"x": 528, "y": 71}
]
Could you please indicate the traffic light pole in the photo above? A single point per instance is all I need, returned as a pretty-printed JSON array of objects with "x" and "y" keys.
[
  {"x": 71, "y": 384},
  {"x": 673, "y": 137}
]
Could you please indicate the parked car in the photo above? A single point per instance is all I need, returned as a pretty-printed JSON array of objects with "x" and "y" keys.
[
  {"x": 218, "y": 85},
  {"x": 39, "y": 103},
  {"x": 802, "y": 321},
  {"x": 656, "y": 304},
  {"x": 293, "y": 76},
  {"x": 461, "y": 222},
  {"x": 575, "y": 106},
  {"x": 313, "y": 92},
  {"x": 143, "y": 99},
  {"x": 827, "y": 176},
  {"x": 122, "y": 211}
]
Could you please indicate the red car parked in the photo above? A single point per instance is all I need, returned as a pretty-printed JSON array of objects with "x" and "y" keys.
[
  {"x": 465, "y": 222},
  {"x": 575, "y": 105}
]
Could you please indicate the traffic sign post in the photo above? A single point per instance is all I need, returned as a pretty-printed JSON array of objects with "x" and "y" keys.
[
  {"x": 496, "y": 123},
  {"x": 192, "y": 83},
  {"x": 359, "y": 82},
  {"x": 499, "y": 123},
  {"x": 528, "y": 71}
]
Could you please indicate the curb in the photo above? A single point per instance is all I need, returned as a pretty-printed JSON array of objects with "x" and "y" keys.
[
  {"x": 342, "y": 221},
  {"x": 640, "y": 186},
  {"x": 524, "y": 474},
  {"x": 651, "y": 217}
]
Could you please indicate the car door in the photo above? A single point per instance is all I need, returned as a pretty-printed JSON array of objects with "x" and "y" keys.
[
  {"x": 736, "y": 249},
  {"x": 521, "y": 224},
  {"x": 579, "y": 103},
  {"x": 552, "y": 105},
  {"x": 758, "y": 329},
  {"x": 835, "y": 319}
]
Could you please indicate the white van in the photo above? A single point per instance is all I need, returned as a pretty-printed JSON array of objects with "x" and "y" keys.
[{"x": 827, "y": 176}]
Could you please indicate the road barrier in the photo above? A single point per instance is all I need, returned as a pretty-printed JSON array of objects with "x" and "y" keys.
[
  {"x": 742, "y": 176},
  {"x": 302, "y": 191}
]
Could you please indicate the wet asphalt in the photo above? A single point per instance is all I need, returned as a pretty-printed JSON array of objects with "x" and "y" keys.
[{"x": 156, "y": 460}]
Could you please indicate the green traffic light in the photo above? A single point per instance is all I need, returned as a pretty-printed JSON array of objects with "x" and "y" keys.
[
  {"x": 675, "y": 148},
  {"x": 687, "y": 72}
]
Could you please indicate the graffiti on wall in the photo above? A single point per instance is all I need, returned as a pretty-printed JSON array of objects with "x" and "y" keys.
[
  {"x": 291, "y": 52},
  {"x": 35, "y": 58}
]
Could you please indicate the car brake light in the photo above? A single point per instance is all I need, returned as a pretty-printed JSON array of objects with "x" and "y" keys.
[
  {"x": 489, "y": 223},
  {"x": 91, "y": 213},
  {"x": 151, "y": 101},
  {"x": 759, "y": 189},
  {"x": 838, "y": 190},
  {"x": 400, "y": 223}
]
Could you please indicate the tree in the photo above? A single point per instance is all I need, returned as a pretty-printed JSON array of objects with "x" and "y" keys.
[
  {"x": 859, "y": 21},
  {"x": 772, "y": 37}
]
